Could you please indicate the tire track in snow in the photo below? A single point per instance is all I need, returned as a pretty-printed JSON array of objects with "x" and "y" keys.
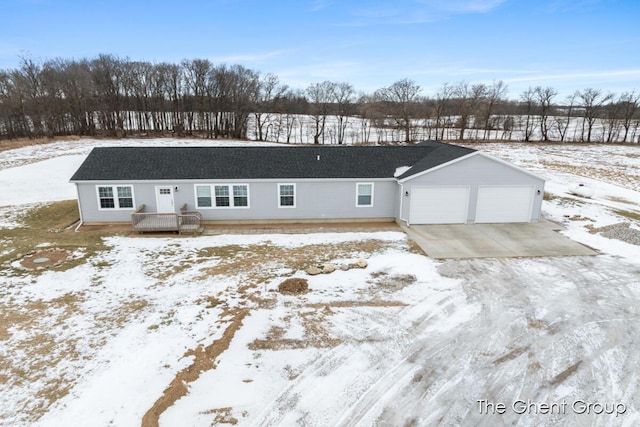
[{"x": 529, "y": 341}]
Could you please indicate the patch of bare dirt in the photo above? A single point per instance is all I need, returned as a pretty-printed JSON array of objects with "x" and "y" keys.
[
  {"x": 294, "y": 286},
  {"x": 565, "y": 374},
  {"x": 222, "y": 416},
  {"x": 38, "y": 349},
  {"x": 511, "y": 355},
  {"x": 392, "y": 283},
  {"x": 315, "y": 335},
  {"x": 204, "y": 360},
  {"x": 251, "y": 259}
]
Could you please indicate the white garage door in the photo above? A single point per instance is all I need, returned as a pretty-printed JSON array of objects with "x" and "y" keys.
[
  {"x": 439, "y": 205},
  {"x": 504, "y": 203}
]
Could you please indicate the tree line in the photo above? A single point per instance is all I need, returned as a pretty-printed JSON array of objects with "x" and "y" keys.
[{"x": 111, "y": 96}]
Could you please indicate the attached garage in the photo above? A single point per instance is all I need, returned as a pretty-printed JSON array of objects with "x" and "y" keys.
[
  {"x": 439, "y": 205},
  {"x": 504, "y": 203},
  {"x": 471, "y": 188}
]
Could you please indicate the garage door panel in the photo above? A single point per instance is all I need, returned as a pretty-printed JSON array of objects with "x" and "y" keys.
[
  {"x": 439, "y": 205},
  {"x": 504, "y": 203}
]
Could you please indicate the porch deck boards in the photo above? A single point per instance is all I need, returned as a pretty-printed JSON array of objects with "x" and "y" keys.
[
  {"x": 155, "y": 222},
  {"x": 186, "y": 222}
]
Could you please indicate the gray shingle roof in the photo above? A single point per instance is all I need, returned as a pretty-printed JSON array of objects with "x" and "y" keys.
[{"x": 295, "y": 162}]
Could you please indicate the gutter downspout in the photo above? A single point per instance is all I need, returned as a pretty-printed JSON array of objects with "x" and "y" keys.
[
  {"x": 79, "y": 208},
  {"x": 401, "y": 204}
]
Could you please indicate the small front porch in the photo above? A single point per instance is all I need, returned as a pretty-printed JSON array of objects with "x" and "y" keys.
[{"x": 184, "y": 222}]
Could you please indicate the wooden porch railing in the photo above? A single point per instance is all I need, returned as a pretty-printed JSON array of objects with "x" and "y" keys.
[{"x": 185, "y": 222}]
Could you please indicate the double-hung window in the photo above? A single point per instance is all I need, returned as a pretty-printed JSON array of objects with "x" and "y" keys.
[
  {"x": 222, "y": 196},
  {"x": 115, "y": 196},
  {"x": 240, "y": 196},
  {"x": 364, "y": 196},
  {"x": 203, "y": 196},
  {"x": 286, "y": 195}
]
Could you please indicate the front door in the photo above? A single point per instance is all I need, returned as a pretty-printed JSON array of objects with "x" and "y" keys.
[{"x": 164, "y": 200}]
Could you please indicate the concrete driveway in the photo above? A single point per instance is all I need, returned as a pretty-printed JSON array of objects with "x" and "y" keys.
[{"x": 455, "y": 241}]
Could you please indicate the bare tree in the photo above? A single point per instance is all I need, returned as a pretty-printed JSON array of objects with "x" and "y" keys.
[
  {"x": 528, "y": 101},
  {"x": 441, "y": 104},
  {"x": 367, "y": 111},
  {"x": 630, "y": 104},
  {"x": 269, "y": 91},
  {"x": 591, "y": 101},
  {"x": 108, "y": 75},
  {"x": 28, "y": 81},
  {"x": 612, "y": 123},
  {"x": 240, "y": 88},
  {"x": 561, "y": 123},
  {"x": 344, "y": 107},
  {"x": 466, "y": 99},
  {"x": 544, "y": 98},
  {"x": 320, "y": 96},
  {"x": 170, "y": 82},
  {"x": 490, "y": 97},
  {"x": 12, "y": 107},
  {"x": 197, "y": 76},
  {"x": 401, "y": 99},
  {"x": 293, "y": 105}
]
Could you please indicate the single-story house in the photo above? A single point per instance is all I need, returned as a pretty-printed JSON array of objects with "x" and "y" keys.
[{"x": 427, "y": 183}]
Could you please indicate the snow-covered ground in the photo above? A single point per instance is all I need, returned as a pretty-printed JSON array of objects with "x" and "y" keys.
[{"x": 192, "y": 331}]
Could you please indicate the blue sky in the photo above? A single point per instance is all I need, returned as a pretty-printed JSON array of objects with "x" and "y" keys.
[{"x": 566, "y": 44}]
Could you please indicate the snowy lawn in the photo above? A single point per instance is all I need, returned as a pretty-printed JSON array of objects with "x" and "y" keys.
[{"x": 192, "y": 331}]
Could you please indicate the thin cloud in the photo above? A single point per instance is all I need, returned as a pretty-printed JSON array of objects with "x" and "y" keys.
[
  {"x": 450, "y": 71},
  {"x": 463, "y": 6},
  {"x": 612, "y": 75},
  {"x": 417, "y": 11},
  {"x": 255, "y": 57},
  {"x": 556, "y": 6},
  {"x": 318, "y": 5}
]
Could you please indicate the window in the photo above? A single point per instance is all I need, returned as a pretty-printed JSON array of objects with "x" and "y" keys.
[
  {"x": 287, "y": 195},
  {"x": 125, "y": 197},
  {"x": 203, "y": 196},
  {"x": 222, "y": 196},
  {"x": 105, "y": 194},
  {"x": 240, "y": 196},
  {"x": 115, "y": 196},
  {"x": 365, "y": 194}
]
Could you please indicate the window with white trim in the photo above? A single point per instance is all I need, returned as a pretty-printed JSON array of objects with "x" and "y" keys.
[
  {"x": 240, "y": 196},
  {"x": 364, "y": 196},
  {"x": 203, "y": 196},
  {"x": 115, "y": 196},
  {"x": 222, "y": 196},
  {"x": 286, "y": 195}
]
